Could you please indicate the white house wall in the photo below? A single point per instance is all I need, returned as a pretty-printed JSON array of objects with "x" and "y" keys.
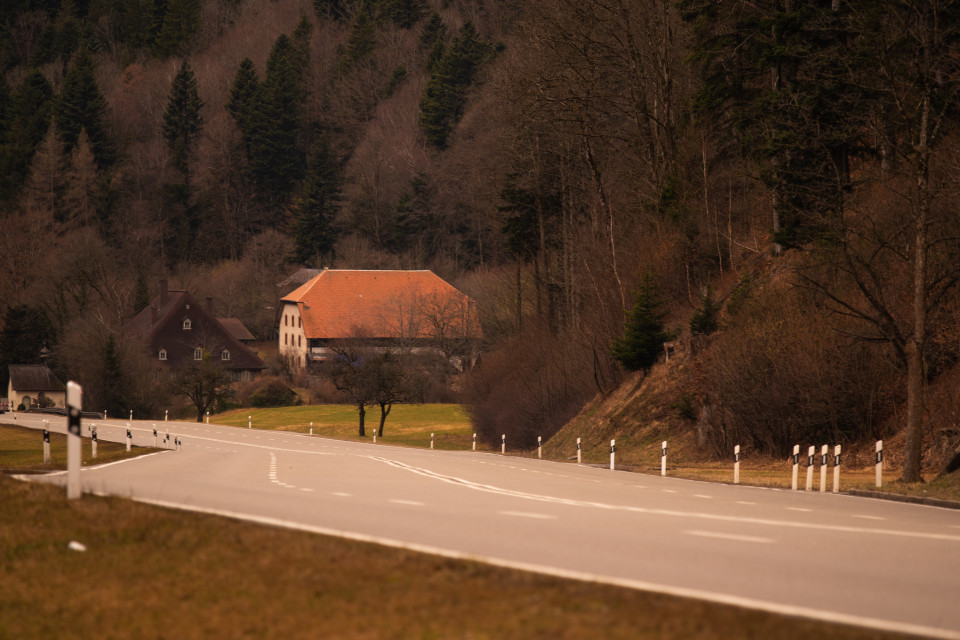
[{"x": 292, "y": 341}]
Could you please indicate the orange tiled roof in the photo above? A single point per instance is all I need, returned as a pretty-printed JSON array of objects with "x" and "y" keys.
[{"x": 344, "y": 303}]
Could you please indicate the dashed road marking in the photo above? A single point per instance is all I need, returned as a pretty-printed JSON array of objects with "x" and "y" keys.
[
  {"x": 729, "y": 536},
  {"x": 525, "y": 514},
  {"x": 411, "y": 503}
]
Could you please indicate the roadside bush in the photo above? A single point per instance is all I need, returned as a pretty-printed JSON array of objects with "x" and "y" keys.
[
  {"x": 783, "y": 375},
  {"x": 274, "y": 393}
]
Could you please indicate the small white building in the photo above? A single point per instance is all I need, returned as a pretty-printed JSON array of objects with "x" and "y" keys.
[{"x": 34, "y": 385}]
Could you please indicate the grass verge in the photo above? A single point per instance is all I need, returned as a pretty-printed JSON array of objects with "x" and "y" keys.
[
  {"x": 21, "y": 449},
  {"x": 157, "y": 573}
]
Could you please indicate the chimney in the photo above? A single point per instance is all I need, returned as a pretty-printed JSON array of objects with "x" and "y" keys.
[
  {"x": 153, "y": 314},
  {"x": 163, "y": 293},
  {"x": 210, "y": 305}
]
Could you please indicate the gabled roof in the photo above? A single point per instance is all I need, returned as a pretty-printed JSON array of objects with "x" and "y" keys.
[
  {"x": 345, "y": 303},
  {"x": 167, "y": 332},
  {"x": 237, "y": 329},
  {"x": 34, "y": 377}
]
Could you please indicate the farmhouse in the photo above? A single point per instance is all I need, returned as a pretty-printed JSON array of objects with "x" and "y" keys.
[
  {"x": 388, "y": 309},
  {"x": 178, "y": 330}
]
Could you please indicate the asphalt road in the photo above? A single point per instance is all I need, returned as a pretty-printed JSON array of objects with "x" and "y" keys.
[{"x": 838, "y": 558}]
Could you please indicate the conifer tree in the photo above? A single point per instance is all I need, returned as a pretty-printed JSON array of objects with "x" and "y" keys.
[
  {"x": 362, "y": 39},
  {"x": 182, "y": 120},
  {"x": 181, "y": 21},
  {"x": 445, "y": 94},
  {"x": 81, "y": 189},
  {"x": 276, "y": 160},
  {"x": 644, "y": 332},
  {"x": 433, "y": 30},
  {"x": 29, "y": 117},
  {"x": 81, "y": 106},
  {"x": 332, "y": 9},
  {"x": 244, "y": 100},
  {"x": 137, "y": 23},
  {"x": 317, "y": 209},
  {"x": 405, "y": 13},
  {"x": 43, "y": 186}
]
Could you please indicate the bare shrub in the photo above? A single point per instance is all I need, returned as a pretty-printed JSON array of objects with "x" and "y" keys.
[
  {"x": 781, "y": 375},
  {"x": 530, "y": 387}
]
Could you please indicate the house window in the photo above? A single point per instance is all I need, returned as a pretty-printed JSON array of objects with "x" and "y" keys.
[
  {"x": 224, "y": 355},
  {"x": 299, "y": 343},
  {"x": 245, "y": 376},
  {"x": 198, "y": 354},
  {"x": 284, "y": 339},
  {"x": 163, "y": 354},
  {"x": 300, "y": 321},
  {"x": 285, "y": 316},
  {"x": 187, "y": 325}
]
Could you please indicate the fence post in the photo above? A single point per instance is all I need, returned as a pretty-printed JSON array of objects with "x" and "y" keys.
[
  {"x": 578, "y": 451},
  {"x": 503, "y": 444},
  {"x": 539, "y": 447},
  {"x": 613, "y": 450},
  {"x": 663, "y": 459},
  {"x": 736, "y": 464},
  {"x": 836, "y": 469},
  {"x": 46, "y": 446},
  {"x": 824, "y": 451},
  {"x": 811, "y": 455},
  {"x": 879, "y": 463},
  {"x": 796, "y": 466}
]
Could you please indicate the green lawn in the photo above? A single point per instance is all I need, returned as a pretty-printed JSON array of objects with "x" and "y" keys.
[
  {"x": 22, "y": 449},
  {"x": 407, "y": 424},
  {"x": 157, "y": 573}
]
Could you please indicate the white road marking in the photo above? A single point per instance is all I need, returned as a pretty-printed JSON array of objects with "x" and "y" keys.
[
  {"x": 412, "y": 503},
  {"x": 790, "y": 524},
  {"x": 729, "y": 536},
  {"x": 308, "y": 489},
  {"x": 669, "y": 491},
  {"x": 868, "y": 517},
  {"x": 525, "y": 514},
  {"x": 700, "y": 495},
  {"x": 801, "y": 509},
  {"x": 745, "y": 502},
  {"x": 340, "y": 494},
  {"x": 640, "y": 585}
]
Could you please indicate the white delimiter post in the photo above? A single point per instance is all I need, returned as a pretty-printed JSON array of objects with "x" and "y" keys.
[
  {"x": 166, "y": 414},
  {"x": 155, "y": 437},
  {"x": 93, "y": 441},
  {"x": 811, "y": 454},
  {"x": 311, "y": 428},
  {"x": 879, "y": 463},
  {"x": 249, "y": 422},
  {"x": 836, "y": 469},
  {"x": 539, "y": 447},
  {"x": 663, "y": 459},
  {"x": 431, "y": 441},
  {"x": 46, "y": 446},
  {"x": 131, "y": 414},
  {"x": 129, "y": 437},
  {"x": 796, "y": 465},
  {"x": 736, "y": 464},
  {"x": 208, "y": 417},
  {"x": 579, "y": 460},
  {"x": 503, "y": 444},
  {"x": 824, "y": 452},
  {"x": 74, "y": 404},
  {"x": 613, "y": 450},
  {"x": 474, "y": 442}
]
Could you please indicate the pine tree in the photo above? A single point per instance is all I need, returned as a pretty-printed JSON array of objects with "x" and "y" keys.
[
  {"x": 81, "y": 106},
  {"x": 644, "y": 332},
  {"x": 405, "y": 13},
  {"x": 244, "y": 100},
  {"x": 81, "y": 189},
  {"x": 115, "y": 399},
  {"x": 137, "y": 23},
  {"x": 180, "y": 22},
  {"x": 317, "y": 209},
  {"x": 445, "y": 94},
  {"x": 332, "y": 9},
  {"x": 705, "y": 320},
  {"x": 276, "y": 160},
  {"x": 432, "y": 31},
  {"x": 182, "y": 120},
  {"x": 43, "y": 186},
  {"x": 29, "y": 117},
  {"x": 362, "y": 39}
]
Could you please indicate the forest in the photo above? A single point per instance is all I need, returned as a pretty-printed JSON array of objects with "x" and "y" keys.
[{"x": 771, "y": 184}]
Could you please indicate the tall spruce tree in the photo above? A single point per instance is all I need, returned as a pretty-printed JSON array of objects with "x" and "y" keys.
[
  {"x": 244, "y": 100},
  {"x": 181, "y": 21},
  {"x": 182, "y": 121},
  {"x": 445, "y": 94},
  {"x": 316, "y": 210},
  {"x": 29, "y": 117},
  {"x": 81, "y": 106},
  {"x": 276, "y": 159},
  {"x": 644, "y": 331}
]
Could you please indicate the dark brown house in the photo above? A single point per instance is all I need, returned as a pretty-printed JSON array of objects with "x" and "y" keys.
[{"x": 179, "y": 330}]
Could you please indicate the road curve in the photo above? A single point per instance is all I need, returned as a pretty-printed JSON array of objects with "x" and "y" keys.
[{"x": 838, "y": 558}]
